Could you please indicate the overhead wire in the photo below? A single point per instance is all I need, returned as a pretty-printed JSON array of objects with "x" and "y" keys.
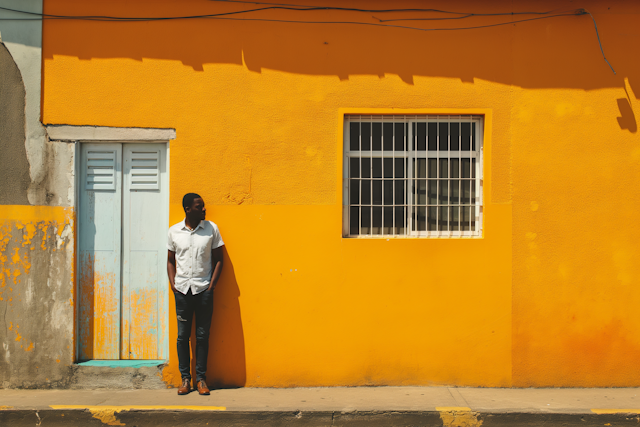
[
  {"x": 237, "y": 12},
  {"x": 276, "y": 6},
  {"x": 599, "y": 42}
]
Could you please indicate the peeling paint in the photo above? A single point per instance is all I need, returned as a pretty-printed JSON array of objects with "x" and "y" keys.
[
  {"x": 99, "y": 311},
  {"x": 106, "y": 415},
  {"x": 459, "y": 417},
  {"x": 41, "y": 323}
]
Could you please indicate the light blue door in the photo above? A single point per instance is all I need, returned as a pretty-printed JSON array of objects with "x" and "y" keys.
[
  {"x": 123, "y": 223},
  {"x": 144, "y": 283},
  {"x": 100, "y": 251}
]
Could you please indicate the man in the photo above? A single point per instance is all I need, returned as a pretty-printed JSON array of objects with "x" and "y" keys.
[{"x": 194, "y": 264}]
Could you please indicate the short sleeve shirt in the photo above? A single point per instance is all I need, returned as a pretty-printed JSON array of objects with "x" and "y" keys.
[{"x": 193, "y": 254}]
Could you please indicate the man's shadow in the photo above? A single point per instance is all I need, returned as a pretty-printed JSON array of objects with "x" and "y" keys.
[{"x": 226, "y": 364}]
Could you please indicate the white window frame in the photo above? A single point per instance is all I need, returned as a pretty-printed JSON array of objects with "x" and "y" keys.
[{"x": 478, "y": 154}]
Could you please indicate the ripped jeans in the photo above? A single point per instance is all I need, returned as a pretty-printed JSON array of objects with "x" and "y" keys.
[{"x": 187, "y": 305}]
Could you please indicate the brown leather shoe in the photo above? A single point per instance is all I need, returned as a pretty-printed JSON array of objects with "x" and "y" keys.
[
  {"x": 202, "y": 388},
  {"x": 185, "y": 388}
]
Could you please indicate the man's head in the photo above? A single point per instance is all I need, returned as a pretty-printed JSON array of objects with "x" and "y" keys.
[{"x": 193, "y": 206}]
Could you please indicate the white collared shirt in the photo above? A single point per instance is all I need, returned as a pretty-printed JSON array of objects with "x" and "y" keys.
[{"x": 193, "y": 254}]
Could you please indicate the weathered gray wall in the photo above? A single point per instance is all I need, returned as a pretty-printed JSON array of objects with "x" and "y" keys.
[
  {"x": 36, "y": 218},
  {"x": 14, "y": 166},
  {"x": 36, "y": 309}
]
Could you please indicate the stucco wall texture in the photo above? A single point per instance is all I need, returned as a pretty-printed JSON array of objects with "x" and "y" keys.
[
  {"x": 547, "y": 297},
  {"x": 14, "y": 166},
  {"x": 36, "y": 296},
  {"x": 36, "y": 219}
]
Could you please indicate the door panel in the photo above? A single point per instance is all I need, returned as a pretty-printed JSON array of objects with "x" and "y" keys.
[
  {"x": 143, "y": 305},
  {"x": 100, "y": 251},
  {"x": 144, "y": 250}
]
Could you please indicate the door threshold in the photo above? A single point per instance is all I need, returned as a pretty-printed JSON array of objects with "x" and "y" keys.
[{"x": 121, "y": 363}]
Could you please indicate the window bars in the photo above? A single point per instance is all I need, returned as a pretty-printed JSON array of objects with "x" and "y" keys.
[{"x": 411, "y": 176}]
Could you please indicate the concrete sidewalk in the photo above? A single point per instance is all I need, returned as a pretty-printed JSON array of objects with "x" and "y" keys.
[{"x": 424, "y": 406}]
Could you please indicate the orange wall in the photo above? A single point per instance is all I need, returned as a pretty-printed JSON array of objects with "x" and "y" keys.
[{"x": 545, "y": 298}]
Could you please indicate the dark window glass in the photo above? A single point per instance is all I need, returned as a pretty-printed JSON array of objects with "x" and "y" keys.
[
  {"x": 354, "y": 217},
  {"x": 473, "y": 136},
  {"x": 399, "y": 168},
  {"x": 365, "y": 136},
  {"x": 354, "y": 167},
  {"x": 420, "y": 218},
  {"x": 377, "y": 167},
  {"x": 432, "y": 135},
  {"x": 388, "y": 219},
  {"x": 454, "y": 168},
  {"x": 432, "y": 195},
  {"x": 443, "y": 216},
  {"x": 422, "y": 136},
  {"x": 399, "y": 137},
  {"x": 354, "y": 190},
  {"x": 433, "y": 168},
  {"x": 388, "y": 192},
  {"x": 366, "y": 167},
  {"x": 400, "y": 193},
  {"x": 454, "y": 136},
  {"x": 387, "y": 136},
  {"x": 376, "y": 129},
  {"x": 365, "y": 221},
  {"x": 465, "y": 136},
  {"x": 444, "y": 168},
  {"x": 432, "y": 215},
  {"x": 366, "y": 192},
  {"x": 376, "y": 220},
  {"x": 354, "y": 136},
  {"x": 443, "y": 136},
  {"x": 377, "y": 192},
  {"x": 388, "y": 167},
  {"x": 400, "y": 219}
]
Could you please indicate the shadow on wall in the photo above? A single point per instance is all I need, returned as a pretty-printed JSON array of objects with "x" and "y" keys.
[
  {"x": 627, "y": 119},
  {"x": 226, "y": 365},
  {"x": 560, "y": 52}
]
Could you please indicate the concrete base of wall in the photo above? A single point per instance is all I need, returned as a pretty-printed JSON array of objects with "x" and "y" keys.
[{"x": 92, "y": 376}]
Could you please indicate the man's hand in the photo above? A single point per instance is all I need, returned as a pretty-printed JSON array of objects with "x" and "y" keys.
[
  {"x": 171, "y": 270},
  {"x": 216, "y": 261}
]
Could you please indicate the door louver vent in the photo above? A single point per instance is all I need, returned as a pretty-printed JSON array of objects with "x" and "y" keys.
[
  {"x": 101, "y": 166},
  {"x": 144, "y": 170}
]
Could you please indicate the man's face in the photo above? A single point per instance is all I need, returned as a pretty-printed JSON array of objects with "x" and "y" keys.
[{"x": 197, "y": 209}]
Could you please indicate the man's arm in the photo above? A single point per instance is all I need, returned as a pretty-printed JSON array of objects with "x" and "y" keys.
[
  {"x": 216, "y": 261},
  {"x": 171, "y": 269}
]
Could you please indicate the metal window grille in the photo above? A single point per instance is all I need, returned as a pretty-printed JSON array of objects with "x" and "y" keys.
[{"x": 413, "y": 176}]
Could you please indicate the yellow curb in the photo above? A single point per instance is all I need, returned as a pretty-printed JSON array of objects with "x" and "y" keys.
[
  {"x": 452, "y": 408},
  {"x": 2, "y": 408},
  {"x": 142, "y": 407},
  {"x": 458, "y": 416},
  {"x": 107, "y": 414},
  {"x": 615, "y": 411}
]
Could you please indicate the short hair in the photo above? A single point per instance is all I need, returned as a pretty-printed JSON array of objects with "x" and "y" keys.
[{"x": 187, "y": 200}]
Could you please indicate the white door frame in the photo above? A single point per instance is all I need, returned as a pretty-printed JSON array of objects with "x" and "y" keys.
[{"x": 103, "y": 134}]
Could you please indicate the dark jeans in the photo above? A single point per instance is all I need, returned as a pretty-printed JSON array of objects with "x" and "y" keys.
[{"x": 186, "y": 306}]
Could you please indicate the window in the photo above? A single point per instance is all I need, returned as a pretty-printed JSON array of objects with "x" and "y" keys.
[{"x": 413, "y": 176}]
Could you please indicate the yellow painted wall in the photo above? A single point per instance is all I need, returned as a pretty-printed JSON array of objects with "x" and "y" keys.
[{"x": 545, "y": 298}]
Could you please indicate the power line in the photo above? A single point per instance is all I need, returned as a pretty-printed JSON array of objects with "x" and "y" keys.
[
  {"x": 276, "y": 6},
  {"x": 237, "y": 12},
  {"x": 598, "y": 35}
]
